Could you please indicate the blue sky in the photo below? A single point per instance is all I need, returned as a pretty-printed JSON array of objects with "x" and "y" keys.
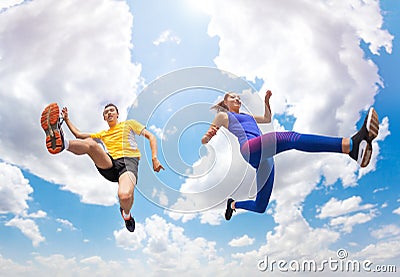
[{"x": 165, "y": 63}]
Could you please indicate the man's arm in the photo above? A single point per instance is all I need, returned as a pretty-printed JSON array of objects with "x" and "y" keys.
[
  {"x": 266, "y": 118},
  {"x": 153, "y": 146},
  {"x": 75, "y": 131}
]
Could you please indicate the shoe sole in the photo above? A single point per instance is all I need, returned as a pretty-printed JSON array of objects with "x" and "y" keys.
[
  {"x": 49, "y": 122},
  {"x": 364, "y": 153},
  {"x": 372, "y": 124}
]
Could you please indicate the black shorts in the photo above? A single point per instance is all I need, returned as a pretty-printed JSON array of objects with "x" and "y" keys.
[{"x": 120, "y": 166}]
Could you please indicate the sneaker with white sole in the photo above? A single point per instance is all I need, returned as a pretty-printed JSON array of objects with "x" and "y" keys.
[
  {"x": 229, "y": 211},
  {"x": 50, "y": 122},
  {"x": 129, "y": 222},
  {"x": 362, "y": 147}
]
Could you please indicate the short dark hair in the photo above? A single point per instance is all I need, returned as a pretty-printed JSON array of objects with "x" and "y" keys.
[{"x": 111, "y": 105}]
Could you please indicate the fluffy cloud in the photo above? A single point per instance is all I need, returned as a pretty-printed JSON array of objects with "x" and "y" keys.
[
  {"x": 163, "y": 244},
  {"x": 29, "y": 228},
  {"x": 242, "y": 241},
  {"x": 347, "y": 222},
  {"x": 66, "y": 223},
  {"x": 14, "y": 196},
  {"x": 14, "y": 190},
  {"x": 9, "y": 3},
  {"x": 337, "y": 210},
  {"x": 336, "y": 207},
  {"x": 77, "y": 55},
  {"x": 386, "y": 231},
  {"x": 167, "y": 36}
]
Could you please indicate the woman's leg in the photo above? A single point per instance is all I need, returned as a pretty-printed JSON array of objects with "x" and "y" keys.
[
  {"x": 270, "y": 144},
  {"x": 265, "y": 182}
]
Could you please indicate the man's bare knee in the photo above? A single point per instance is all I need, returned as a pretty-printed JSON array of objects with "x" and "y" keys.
[
  {"x": 125, "y": 195},
  {"x": 92, "y": 144}
]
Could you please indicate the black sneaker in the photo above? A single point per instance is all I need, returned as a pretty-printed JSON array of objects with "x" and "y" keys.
[
  {"x": 129, "y": 223},
  {"x": 50, "y": 121},
  {"x": 362, "y": 147},
  {"x": 229, "y": 210}
]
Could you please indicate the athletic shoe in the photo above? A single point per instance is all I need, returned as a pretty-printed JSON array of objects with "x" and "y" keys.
[
  {"x": 362, "y": 147},
  {"x": 229, "y": 210},
  {"x": 129, "y": 223},
  {"x": 50, "y": 121}
]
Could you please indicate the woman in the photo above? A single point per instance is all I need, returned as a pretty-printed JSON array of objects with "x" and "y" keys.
[{"x": 258, "y": 149}]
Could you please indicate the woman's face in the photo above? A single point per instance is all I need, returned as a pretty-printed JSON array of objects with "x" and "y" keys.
[{"x": 232, "y": 101}]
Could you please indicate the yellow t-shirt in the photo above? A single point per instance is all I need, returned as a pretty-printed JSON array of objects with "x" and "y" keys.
[{"x": 120, "y": 140}]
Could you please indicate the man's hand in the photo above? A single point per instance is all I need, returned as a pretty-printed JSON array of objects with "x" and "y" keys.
[
  {"x": 157, "y": 165},
  {"x": 64, "y": 113}
]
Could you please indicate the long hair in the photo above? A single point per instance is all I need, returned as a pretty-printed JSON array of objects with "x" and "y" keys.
[{"x": 220, "y": 106}]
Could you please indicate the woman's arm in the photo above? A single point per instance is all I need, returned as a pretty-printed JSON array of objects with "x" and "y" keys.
[
  {"x": 221, "y": 119},
  {"x": 266, "y": 118},
  {"x": 75, "y": 131}
]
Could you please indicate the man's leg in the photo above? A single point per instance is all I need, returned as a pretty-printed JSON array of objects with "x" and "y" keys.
[
  {"x": 126, "y": 186},
  {"x": 90, "y": 147}
]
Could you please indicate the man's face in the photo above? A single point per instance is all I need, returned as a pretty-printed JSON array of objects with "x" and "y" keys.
[{"x": 110, "y": 114}]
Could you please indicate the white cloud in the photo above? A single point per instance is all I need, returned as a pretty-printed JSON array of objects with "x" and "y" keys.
[
  {"x": 29, "y": 228},
  {"x": 167, "y": 36},
  {"x": 386, "y": 231},
  {"x": 14, "y": 190},
  {"x": 242, "y": 241},
  {"x": 346, "y": 223},
  {"x": 76, "y": 57},
  {"x": 14, "y": 196},
  {"x": 38, "y": 214},
  {"x": 336, "y": 207},
  {"x": 66, "y": 223},
  {"x": 380, "y": 189},
  {"x": 9, "y": 268},
  {"x": 397, "y": 211},
  {"x": 162, "y": 134},
  {"x": 130, "y": 241},
  {"x": 9, "y": 3},
  {"x": 387, "y": 251},
  {"x": 163, "y": 244},
  {"x": 157, "y": 131}
]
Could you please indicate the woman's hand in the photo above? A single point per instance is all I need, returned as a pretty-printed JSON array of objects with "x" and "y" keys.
[
  {"x": 212, "y": 131},
  {"x": 268, "y": 95}
]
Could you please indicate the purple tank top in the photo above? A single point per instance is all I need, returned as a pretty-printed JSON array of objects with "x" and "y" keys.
[{"x": 243, "y": 126}]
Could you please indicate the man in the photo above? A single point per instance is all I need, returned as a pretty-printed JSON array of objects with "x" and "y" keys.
[{"x": 121, "y": 162}]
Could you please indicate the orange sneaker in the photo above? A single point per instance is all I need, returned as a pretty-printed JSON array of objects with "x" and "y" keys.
[{"x": 50, "y": 121}]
